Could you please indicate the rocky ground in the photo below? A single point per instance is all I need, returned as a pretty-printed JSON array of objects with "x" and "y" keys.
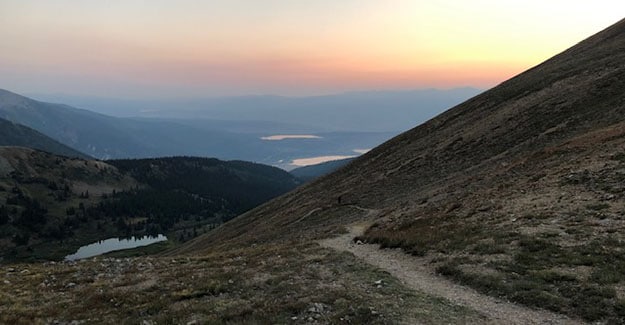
[{"x": 304, "y": 284}]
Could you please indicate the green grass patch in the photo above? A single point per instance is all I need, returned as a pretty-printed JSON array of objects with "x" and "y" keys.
[
  {"x": 619, "y": 157},
  {"x": 598, "y": 206},
  {"x": 532, "y": 277}
]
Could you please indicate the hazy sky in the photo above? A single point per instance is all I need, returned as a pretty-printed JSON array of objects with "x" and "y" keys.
[{"x": 161, "y": 48}]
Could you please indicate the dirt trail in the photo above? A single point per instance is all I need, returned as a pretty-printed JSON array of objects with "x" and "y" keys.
[{"x": 415, "y": 273}]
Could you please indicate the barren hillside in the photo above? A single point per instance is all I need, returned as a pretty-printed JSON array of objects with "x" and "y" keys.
[{"x": 517, "y": 192}]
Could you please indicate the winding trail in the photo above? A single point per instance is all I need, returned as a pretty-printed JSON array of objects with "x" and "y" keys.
[{"x": 415, "y": 273}]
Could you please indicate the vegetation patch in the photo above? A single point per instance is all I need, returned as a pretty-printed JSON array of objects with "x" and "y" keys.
[
  {"x": 620, "y": 157},
  {"x": 598, "y": 206},
  {"x": 428, "y": 234},
  {"x": 266, "y": 284},
  {"x": 527, "y": 267},
  {"x": 53, "y": 205},
  {"x": 532, "y": 277}
]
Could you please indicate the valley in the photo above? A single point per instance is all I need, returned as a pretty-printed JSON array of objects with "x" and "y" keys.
[
  {"x": 51, "y": 205},
  {"x": 234, "y": 129}
]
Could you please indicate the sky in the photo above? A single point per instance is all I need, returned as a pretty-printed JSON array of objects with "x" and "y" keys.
[{"x": 204, "y": 48}]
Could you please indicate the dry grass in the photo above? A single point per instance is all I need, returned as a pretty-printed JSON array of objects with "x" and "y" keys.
[
  {"x": 557, "y": 244},
  {"x": 257, "y": 285}
]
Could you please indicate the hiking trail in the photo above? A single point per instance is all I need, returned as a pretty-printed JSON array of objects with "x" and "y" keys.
[{"x": 417, "y": 274}]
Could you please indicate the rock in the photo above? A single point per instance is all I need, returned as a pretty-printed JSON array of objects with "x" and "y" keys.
[
  {"x": 452, "y": 207},
  {"x": 318, "y": 308},
  {"x": 193, "y": 322},
  {"x": 73, "y": 322},
  {"x": 609, "y": 197},
  {"x": 359, "y": 242},
  {"x": 294, "y": 318},
  {"x": 25, "y": 271},
  {"x": 378, "y": 282},
  {"x": 70, "y": 285},
  {"x": 7, "y": 282},
  {"x": 484, "y": 208},
  {"x": 10, "y": 270}
]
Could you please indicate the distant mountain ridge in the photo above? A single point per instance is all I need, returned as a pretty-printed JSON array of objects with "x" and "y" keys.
[
  {"x": 12, "y": 134},
  {"x": 370, "y": 111},
  {"x": 107, "y": 137}
]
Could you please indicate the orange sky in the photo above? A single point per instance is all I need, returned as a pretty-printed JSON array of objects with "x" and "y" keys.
[{"x": 167, "y": 48}]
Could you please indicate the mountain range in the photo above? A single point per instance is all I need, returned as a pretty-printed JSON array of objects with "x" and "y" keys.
[
  {"x": 365, "y": 111},
  {"x": 107, "y": 137},
  {"x": 12, "y": 134}
]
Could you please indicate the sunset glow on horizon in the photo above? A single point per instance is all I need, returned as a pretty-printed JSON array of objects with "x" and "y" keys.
[{"x": 164, "y": 48}]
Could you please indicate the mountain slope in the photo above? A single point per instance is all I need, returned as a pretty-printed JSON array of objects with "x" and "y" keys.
[
  {"x": 50, "y": 205},
  {"x": 242, "y": 185},
  {"x": 108, "y": 137},
  {"x": 12, "y": 134},
  {"x": 516, "y": 192}
]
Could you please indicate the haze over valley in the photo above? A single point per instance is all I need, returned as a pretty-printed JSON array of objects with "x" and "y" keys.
[{"x": 236, "y": 128}]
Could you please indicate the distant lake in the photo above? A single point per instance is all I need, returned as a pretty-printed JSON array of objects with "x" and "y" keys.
[
  {"x": 317, "y": 160},
  {"x": 113, "y": 244},
  {"x": 279, "y": 137},
  {"x": 302, "y": 162}
]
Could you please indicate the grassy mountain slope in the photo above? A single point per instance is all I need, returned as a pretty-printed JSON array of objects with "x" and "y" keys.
[
  {"x": 50, "y": 205},
  {"x": 516, "y": 192},
  {"x": 242, "y": 185},
  {"x": 12, "y": 134},
  {"x": 44, "y": 200}
]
